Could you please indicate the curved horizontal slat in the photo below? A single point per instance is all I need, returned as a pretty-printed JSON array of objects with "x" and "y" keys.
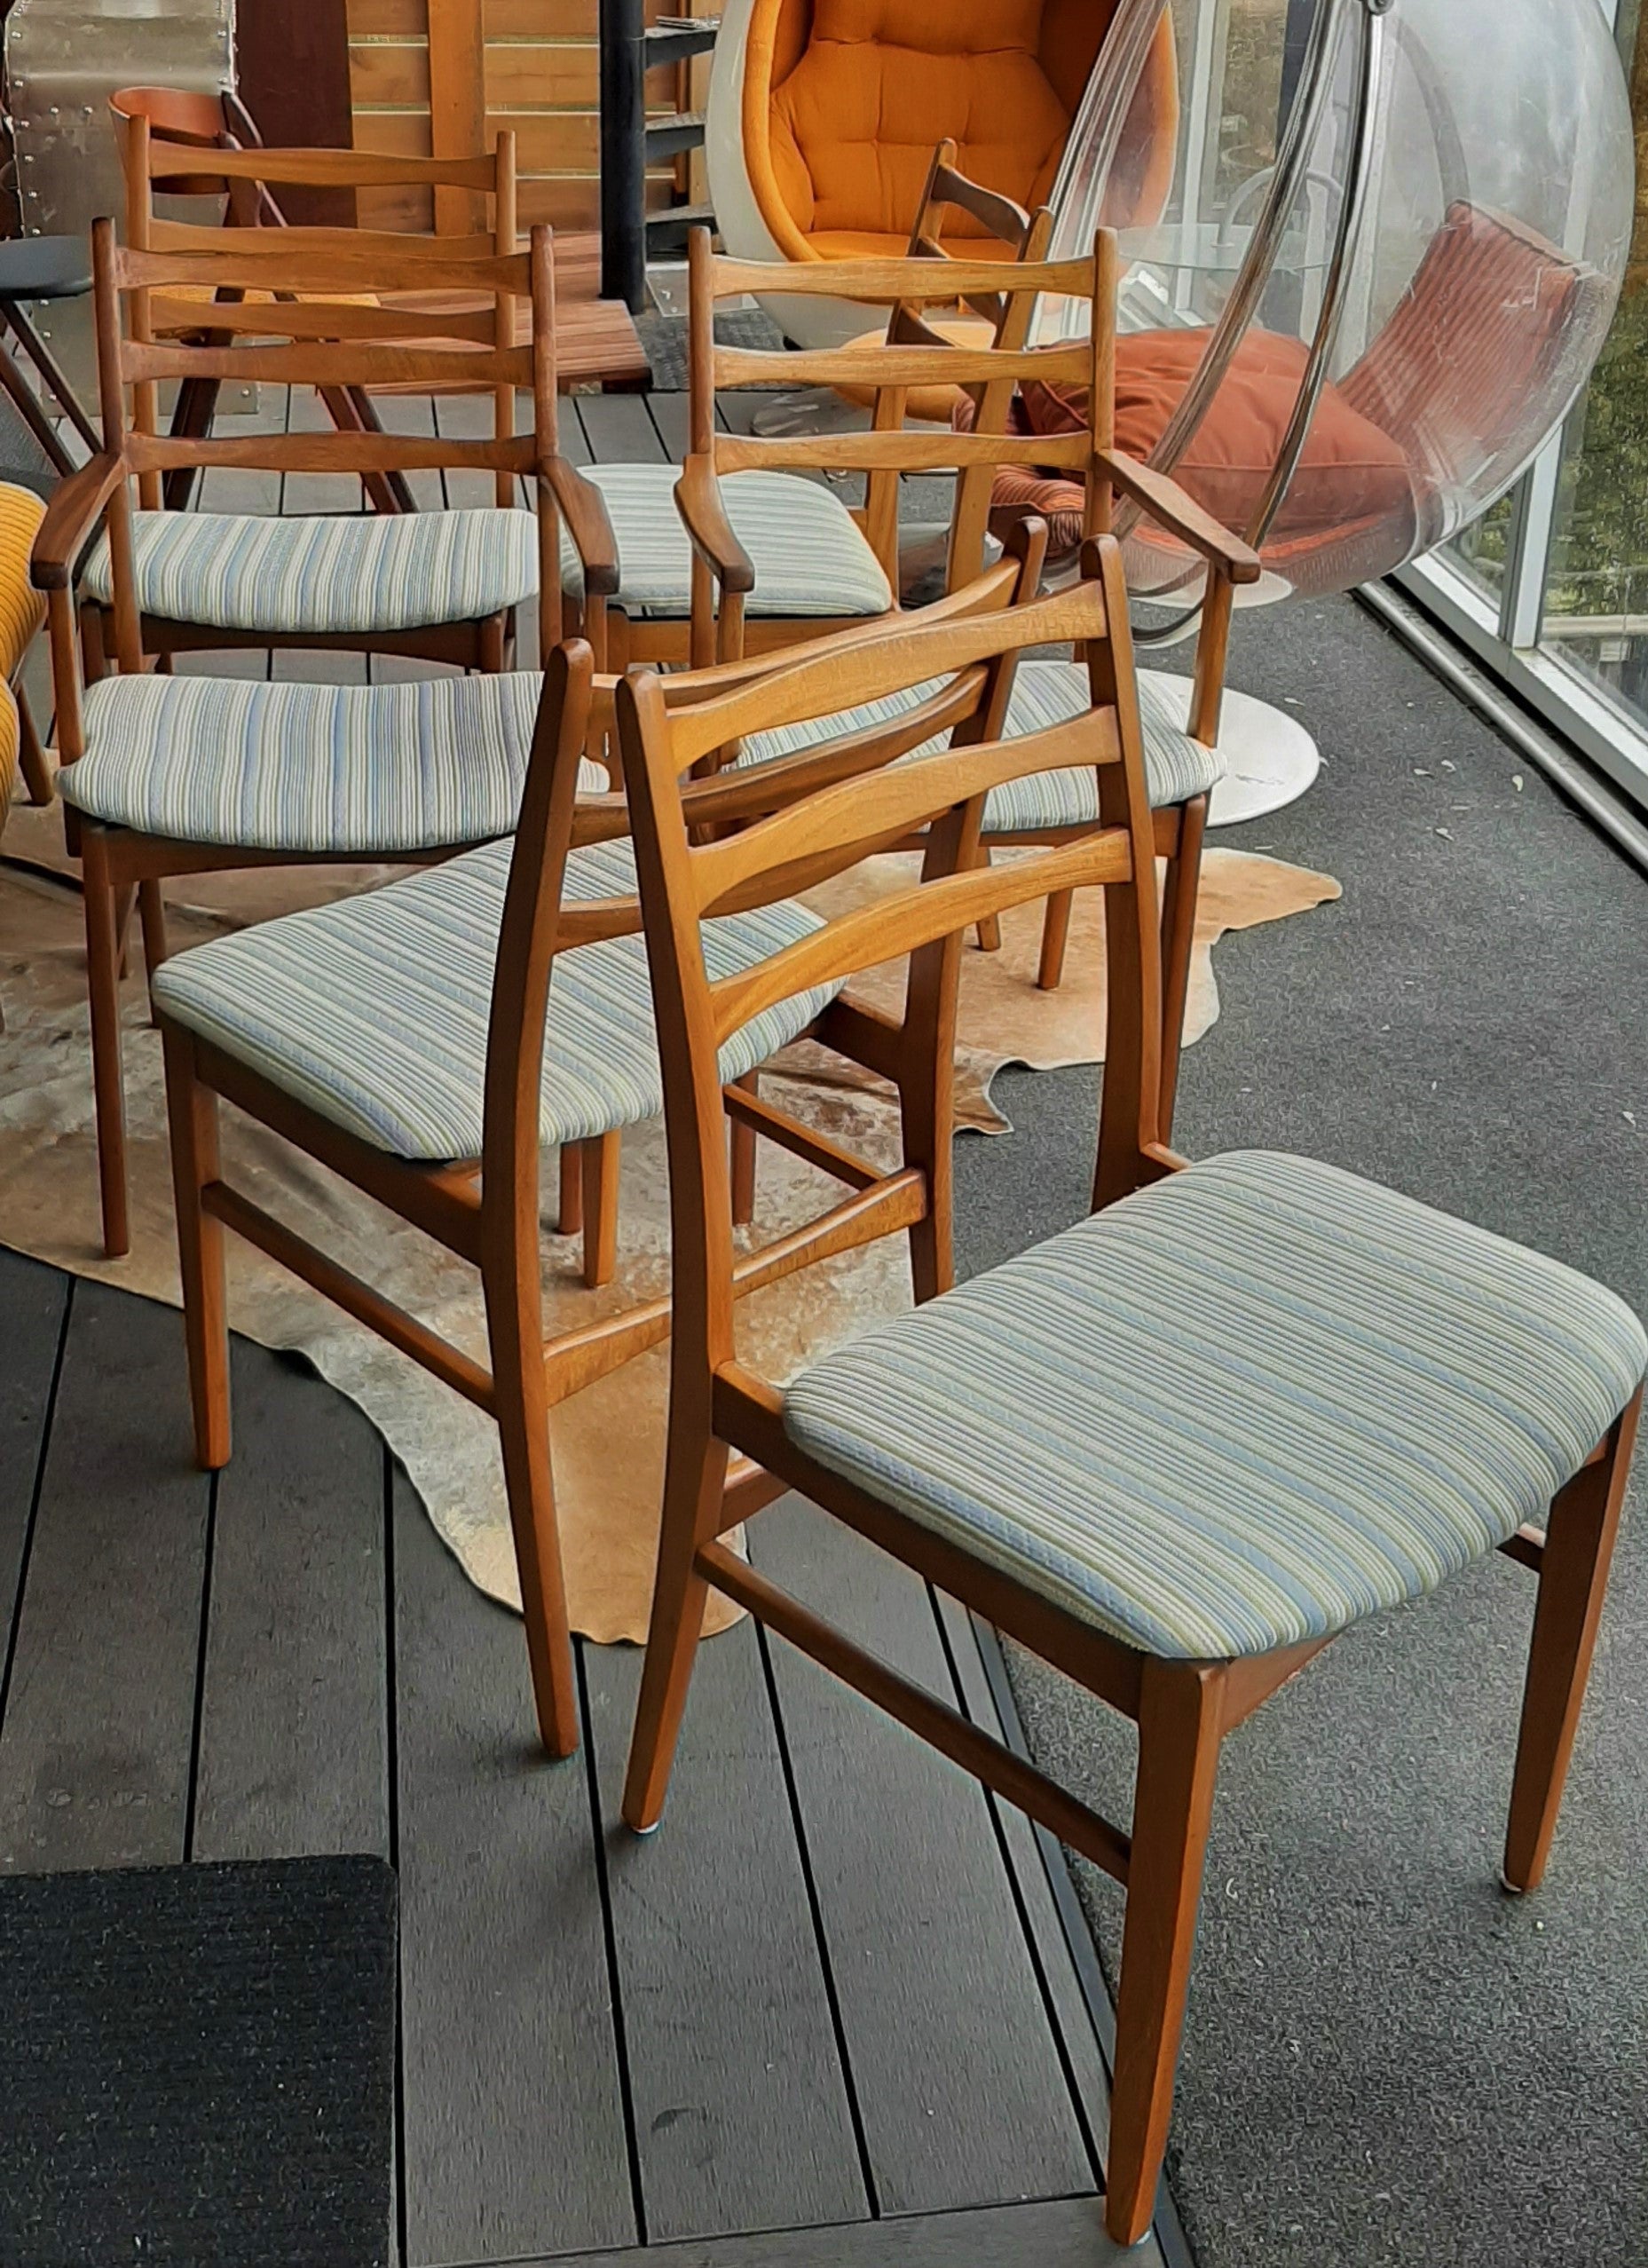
[
  {"x": 845, "y": 673},
  {"x": 901, "y": 451},
  {"x": 318, "y": 363},
  {"x": 940, "y": 365},
  {"x": 330, "y": 169},
  {"x": 265, "y": 259},
  {"x": 835, "y": 822},
  {"x": 899, "y": 925},
  {"x": 321, "y": 319},
  {"x": 331, "y": 452},
  {"x": 925, "y": 282}
]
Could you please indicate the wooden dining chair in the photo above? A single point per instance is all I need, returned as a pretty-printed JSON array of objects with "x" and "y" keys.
[
  {"x": 439, "y": 586},
  {"x": 1181, "y": 763},
  {"x": 1174, "y": 1450},
  {"x": 171, "y": 774},
  {"x": 400, "y": 1039},
  {"x": 741, "y": 549}
]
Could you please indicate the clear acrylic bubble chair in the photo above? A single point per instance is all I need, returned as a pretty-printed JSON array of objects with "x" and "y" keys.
[{"x": 1389, "y": 259}]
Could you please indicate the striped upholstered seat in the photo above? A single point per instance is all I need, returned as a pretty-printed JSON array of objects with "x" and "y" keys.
[
  {"x": 1237, "y": 1410},
  {"x": 1044, "y": 693},
  {"x": 371, "y": 769},
  {"x": 326, "y": 576},
  {"x": 373, "y": 1011},
  {"x": 809, "y": 555}
]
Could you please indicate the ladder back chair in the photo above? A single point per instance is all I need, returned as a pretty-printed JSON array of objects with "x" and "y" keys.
[
  {"x": 1182, "y": 763},
  {"x": 740, "y": 550},
  {"x": 169, "y": 775},
  {"x": 429, "y": 1040},
  {"x": 439, "y": 585},
  {"x": 1174, "y": 1450}
]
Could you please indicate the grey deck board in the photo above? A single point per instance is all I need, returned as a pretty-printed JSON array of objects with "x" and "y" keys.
[
  {"x": 513, "y": 2119},
  {"x": 293, "y": 1750},
  {"x": 35, "y": 1302},
  {"x": 95, "y": 1752},
  {"x": 1067, "y": 2233},
  {"x": 742, "y": 2116},
  {"x": 619, "y": 430},
  {"x": 958, "y": 2079}
]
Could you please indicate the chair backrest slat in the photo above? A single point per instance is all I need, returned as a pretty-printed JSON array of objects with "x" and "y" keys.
[
  {"x": 903, "y": 924},
  {"x": 320, "y": 362},
  {"x": 940, "y": 364},
  {"x": 320, "y": 168},
  {"x": 871, "y": 668},
  {"x": 830, "y": 828},
  {"x": 902, "y": 452},
  {"x": 290, "y": 259}
]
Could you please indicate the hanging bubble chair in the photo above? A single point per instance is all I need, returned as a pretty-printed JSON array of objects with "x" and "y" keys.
[{"x": 1346, "y": 348}]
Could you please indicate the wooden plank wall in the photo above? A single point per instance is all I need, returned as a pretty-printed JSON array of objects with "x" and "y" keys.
[{"x": 530, "y": 65}]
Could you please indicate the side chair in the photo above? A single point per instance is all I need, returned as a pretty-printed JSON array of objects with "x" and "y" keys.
[
  {"x": 172, "y": 775},
  {"x": 1174, "y": 1450},
  {"x": 400, "y": 1037},
  {"x": 439, "y": 585}
]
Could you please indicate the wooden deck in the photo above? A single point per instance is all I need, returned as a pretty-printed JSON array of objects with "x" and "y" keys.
[{"x": 839, "y": 2010}]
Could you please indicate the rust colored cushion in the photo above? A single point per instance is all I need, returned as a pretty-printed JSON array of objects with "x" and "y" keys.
[{"x": 1350, "y": 470}]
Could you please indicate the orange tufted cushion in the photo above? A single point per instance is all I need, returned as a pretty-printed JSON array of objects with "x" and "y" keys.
[{"x": 854, "y": 123}]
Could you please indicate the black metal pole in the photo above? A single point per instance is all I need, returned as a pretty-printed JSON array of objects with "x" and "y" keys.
[{"x": 623, "y": 153}]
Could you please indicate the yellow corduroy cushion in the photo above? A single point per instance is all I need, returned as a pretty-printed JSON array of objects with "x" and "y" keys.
[{"x": 23, "y": 610}]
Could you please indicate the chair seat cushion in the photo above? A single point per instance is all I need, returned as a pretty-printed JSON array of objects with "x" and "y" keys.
[
  {"x": 373, "y": 1010},
  {"x": 1237, "y": 1411},
  {"x": 46, "y": 267},
  {"x": 1044, "y": 693},
  {"x": 324, "y": 575},
  {"x": 358, "y": 770},
  {"x": 809, "y": 554}
]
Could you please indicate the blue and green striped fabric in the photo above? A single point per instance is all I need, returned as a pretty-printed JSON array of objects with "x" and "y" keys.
[
  {"x": 809, "y": 554},
  {"x": 338, "y": 576},
  {"x": 373, "y": 1010},
  {"x": 1237, "y": 1411},
  {"x": 1044, "y": 693},
  {"x": 366, "y": 770}
]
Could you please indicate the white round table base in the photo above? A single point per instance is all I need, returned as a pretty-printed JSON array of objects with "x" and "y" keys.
[{"x": 1270, "y": 759}]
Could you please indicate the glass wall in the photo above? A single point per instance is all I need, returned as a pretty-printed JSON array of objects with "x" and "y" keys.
[{"x": 1552, "y": 587}]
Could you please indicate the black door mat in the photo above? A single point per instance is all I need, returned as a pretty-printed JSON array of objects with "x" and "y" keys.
[{"x": 197, "y": 2066}]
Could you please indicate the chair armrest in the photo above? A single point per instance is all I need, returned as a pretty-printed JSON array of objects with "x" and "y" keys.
[
  {"x": 584, "y": 509},
  {"x": 698, "y": 500},
  {"x": 71, "y": 514},
  {"x": 1165, "y": 502}
]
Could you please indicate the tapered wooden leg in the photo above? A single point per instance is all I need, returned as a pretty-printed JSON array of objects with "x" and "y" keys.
[
  {"x": 1573, "y": 1576},
  {"x": 741, "y": 1147},
  {"x": 601, "y": 1156},
  {"x": 31, "y": 757},
  {"x": 988, "y": 931},
  {"x": 695, "y": 1477},
  {"x": 569, "y": 1216},
  {"x": 1178, "y": 936},
  {"x": 152, "y": 913},
  {"x": 514, "y": 1330},
  {"x": 192, "y": 1111},
  {"x": 1055, "y": 936},
  {"x": 1178, "y": 1742},
  {"x": 103, "y": 952},
  {"x": 93, "y": 648}
]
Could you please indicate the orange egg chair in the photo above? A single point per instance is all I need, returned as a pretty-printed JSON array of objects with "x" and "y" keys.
[{"x": 823, "y": 115}]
